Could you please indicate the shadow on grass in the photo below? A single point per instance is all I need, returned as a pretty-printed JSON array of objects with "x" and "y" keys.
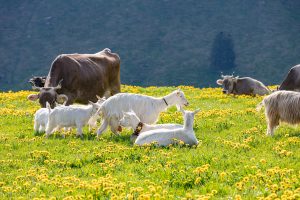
[{"x": 89, "y": 136}]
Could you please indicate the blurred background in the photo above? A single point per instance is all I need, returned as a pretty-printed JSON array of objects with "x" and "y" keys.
[{"x": 160, "y": 42}]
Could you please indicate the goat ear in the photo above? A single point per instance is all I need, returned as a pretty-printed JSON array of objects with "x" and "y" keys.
[
  {"x": 33, "y": 97},
  {"x": 178, "y": 91},
  {"x": 62, "y": 99},
  {"x": 219, "y": 82},
  {"x": 196, "y": 111}
]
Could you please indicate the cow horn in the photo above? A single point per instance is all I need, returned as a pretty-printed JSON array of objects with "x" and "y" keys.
[
  {"x": 35, "y": 88},
  {"x": 222, "y": 76},
  {"x": 58, "y": 85}
]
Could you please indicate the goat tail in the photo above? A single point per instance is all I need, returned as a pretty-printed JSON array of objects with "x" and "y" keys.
[{"x": 259, "y": 106}]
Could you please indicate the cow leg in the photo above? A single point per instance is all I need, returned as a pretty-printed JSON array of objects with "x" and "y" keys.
[
  {"x": 71, "y": 98},
  {"x": 102, "y": 127},
  {"x": 115, "y": 88}
]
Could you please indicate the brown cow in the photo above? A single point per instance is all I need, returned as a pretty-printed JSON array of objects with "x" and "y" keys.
[{"x": 80, "y": 77}]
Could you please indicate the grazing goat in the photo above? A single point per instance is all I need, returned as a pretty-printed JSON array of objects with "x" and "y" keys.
[
  {"x": 164, "y": 137},
  {"x": 281, "y": 106},
  {"x": 131, "y": 120},
  {"x": 147, "y": 108},
  {"x": 70, "y": 116}
]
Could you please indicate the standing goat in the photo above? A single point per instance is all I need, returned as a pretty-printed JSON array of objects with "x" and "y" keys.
[
  {"x": 147, "y": 108},
  {"x": 40, "y": 120},
  {"x": 281, "y": 106},
  {"x": 164, "y": 137},
  {"x": 70, "y": 116},
  {"x": 41, "y": 117},
  {"x": 131, "y": 120}
]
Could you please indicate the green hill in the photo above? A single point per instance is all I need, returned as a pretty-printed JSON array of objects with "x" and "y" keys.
[{"x": 160, "y": 42}]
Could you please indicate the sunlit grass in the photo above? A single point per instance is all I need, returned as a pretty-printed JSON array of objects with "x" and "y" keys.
[{"x": 234, "y": 159}]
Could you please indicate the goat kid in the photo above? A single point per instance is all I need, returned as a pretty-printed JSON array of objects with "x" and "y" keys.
[
  {"x": 70, "y": 116},
  {"x": 165, "y": 137},
  {"x": 131, "y": 120},
  {"x": 41, "y": 118}
]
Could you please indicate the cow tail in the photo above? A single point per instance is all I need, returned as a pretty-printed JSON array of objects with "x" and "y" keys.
[{"x": 259, "y": 106}]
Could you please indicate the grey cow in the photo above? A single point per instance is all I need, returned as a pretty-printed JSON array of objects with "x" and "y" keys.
[{"x": 244, "y": 85}]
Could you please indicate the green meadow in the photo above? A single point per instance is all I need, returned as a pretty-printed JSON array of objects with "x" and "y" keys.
[{"x": 234, "y": 159}]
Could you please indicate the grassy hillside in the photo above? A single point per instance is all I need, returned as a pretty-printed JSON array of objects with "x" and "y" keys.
[
  {"x": 234, "y": 159},
  {"x": 159, "y": 42}
]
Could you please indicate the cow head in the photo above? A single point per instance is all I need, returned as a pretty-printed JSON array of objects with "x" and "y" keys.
[
  {"x": 228, "y": 83},
  {"x": 38, "y": 81},
  {"x": 48, "y": 94}
]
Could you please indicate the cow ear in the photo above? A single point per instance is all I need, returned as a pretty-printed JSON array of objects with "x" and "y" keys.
[
  {"x": 62, "y": 99},
  {"x": 220, "y": 82},
  {"x": 33, "y": 97}
]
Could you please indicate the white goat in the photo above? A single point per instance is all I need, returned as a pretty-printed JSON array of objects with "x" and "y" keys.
[
  {"x": 41, "y": 116},
  {"x": 147, "y": 108},
  {"x": 41, "y": 119},
  {"x": 164, "y": 137},
  {"x": 70, "y": 116},
  {"x": 131, "y": 120}
]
